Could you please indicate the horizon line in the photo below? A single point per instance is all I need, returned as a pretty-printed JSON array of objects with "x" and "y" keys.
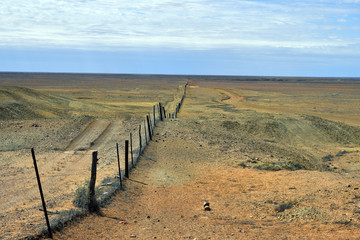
[{"x": 170, "y": 74}]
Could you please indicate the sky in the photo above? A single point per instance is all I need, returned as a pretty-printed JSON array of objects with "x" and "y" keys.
[{"x": 317, "y": 38}]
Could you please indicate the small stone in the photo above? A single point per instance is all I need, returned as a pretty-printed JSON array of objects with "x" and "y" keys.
[
  {"x": 133, "y": 236},
  {"x": 207, "y": 206}
]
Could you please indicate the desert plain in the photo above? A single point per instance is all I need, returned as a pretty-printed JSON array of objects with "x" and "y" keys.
[{"x": 276, "y": 158}]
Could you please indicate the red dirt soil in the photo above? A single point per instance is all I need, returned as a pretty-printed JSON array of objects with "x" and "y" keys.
[{"x": 165, "y": 193}]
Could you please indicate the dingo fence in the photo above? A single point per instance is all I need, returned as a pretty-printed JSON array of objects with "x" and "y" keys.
[{"x": 67, "y": 194}]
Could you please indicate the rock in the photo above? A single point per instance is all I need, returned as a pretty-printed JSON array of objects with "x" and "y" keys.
[
  {"x": 133, "y": 236},
  {"x": 207, "y": 206}
]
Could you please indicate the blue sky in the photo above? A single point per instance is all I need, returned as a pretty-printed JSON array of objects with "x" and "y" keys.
[{"x": 227, "y": 37}]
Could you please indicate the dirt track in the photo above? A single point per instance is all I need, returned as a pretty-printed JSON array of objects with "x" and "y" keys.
[
  {"x": 232, "y": 97},
  {"x": 90, "y": 135},
  {"x": 61, "y": 172}
]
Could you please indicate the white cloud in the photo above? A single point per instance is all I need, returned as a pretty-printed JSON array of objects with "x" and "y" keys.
[
  {"x": 188, "y": 24},
  {"x": 351, "y": 1}
]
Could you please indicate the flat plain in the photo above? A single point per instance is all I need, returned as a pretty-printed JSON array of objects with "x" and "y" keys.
[{"x": 275, "y": 157}]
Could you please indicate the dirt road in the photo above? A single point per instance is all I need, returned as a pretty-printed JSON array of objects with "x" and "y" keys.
[{"x": 61, "y": 172}]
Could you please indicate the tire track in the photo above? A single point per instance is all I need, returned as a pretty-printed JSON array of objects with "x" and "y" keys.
[{"x": 87, "y": 138}]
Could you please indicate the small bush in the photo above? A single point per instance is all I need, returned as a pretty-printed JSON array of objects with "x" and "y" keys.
[
  {"x": 341, "y": 153},
  {"x": 328, "y": 158},
  {"x": 285, "y": 205},
  {"x": 269, "y": 166},
  {"x": 282, "y": 207},
  {"x": 306, "y": 213},
  {"x": 65, "y": 217},
  {"x": 273, "y": 166},
  {"x": 82, "y": 199},
  {"x": 230, "y": 125}
]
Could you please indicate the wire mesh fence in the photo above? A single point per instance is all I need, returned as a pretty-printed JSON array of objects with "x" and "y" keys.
[{"x": 65, "y": 172}]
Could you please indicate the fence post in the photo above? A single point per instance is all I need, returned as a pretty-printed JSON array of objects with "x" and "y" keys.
[
  {"x": 127, "y": 158},
  {"x": 154, "y": 115},
  {"x": 131, "y": 151},
  {"x": 140, "y": 143},
  {"x": 148, "y": 122},
  {"x": 93, "y": 206},
  {"x": 118, "y": 159},
  {"x": 151, "y": 125},
  {"x": 146, "y": 140},
  {"x": 160, "y": 112},
  {"x": 41, "y": 194}
]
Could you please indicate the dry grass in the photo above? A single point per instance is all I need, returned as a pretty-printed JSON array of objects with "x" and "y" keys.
[{"x": 264, "y": 125}]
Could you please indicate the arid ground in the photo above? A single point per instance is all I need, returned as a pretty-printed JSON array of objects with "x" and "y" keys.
[{"x": 275, "y": 158}]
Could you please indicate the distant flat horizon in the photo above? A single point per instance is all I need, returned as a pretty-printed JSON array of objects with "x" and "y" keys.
[{"x": 199, "y": 76}]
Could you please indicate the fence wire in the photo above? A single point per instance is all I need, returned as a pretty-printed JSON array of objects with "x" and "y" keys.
[{"x": 62, "y": 172}]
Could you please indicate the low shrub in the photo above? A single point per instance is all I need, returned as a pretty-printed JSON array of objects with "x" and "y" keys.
[
  {"x": 81, "y": 198},
  {"x": 277, "y": 166},
  {"x": 328, "y": 158}
]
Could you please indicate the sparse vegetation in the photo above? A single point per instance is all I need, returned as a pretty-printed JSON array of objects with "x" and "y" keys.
[
  {"x": 285, "y": 205},
  {"x": 277, "y": 166},
  {"x": 271, "y": 127},
  {"x": 342, "y": 153},
  {"x": 306, "y": 213},
  {"x": 328, "y": 158},
  {"x": 81, "y": 198}
]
